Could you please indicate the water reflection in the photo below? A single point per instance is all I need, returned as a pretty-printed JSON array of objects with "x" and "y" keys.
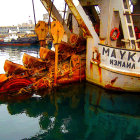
[
  {"x": 81, "y": 111},
  {"x": 57, "y": 112},
  {"x": 111, "y": 116}
]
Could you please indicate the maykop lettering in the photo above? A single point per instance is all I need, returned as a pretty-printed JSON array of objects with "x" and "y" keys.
[{"x": 120, "y": 58}]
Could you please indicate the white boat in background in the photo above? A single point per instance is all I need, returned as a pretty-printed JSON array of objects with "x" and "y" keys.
[
  {"x": 10, "y": 37},
  {"x": 14, "y": 40}
]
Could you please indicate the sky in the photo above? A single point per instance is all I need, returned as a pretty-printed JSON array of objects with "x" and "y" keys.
[{"x": 14, "y": 12}]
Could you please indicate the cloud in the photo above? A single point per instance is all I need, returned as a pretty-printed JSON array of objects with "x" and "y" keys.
[{"x": 15, "y": 12}]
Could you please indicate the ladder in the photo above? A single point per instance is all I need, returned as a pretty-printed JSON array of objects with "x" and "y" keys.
[{"x": 129, "y": 25}]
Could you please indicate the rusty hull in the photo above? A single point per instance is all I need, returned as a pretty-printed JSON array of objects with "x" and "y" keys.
[{"x": 112, "y": 80}]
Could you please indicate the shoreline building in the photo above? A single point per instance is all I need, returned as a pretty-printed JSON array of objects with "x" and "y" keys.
[{"x": 21, "y": 29}]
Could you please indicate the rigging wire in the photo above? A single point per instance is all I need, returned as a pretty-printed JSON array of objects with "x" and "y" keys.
[
  {"x": 64, "y": 14},
  {"x": 50, "y": 13},
  {"x": 34, "y": 11},
  {"x": 34, "y": 19}
]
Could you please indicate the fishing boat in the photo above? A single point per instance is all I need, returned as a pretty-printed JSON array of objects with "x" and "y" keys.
[
  {"x": 15, "y": 40},
  {"x": 113, "y": 41},
  {"x": 108, "y": 33},
  {"x": 112, "y": 31}
]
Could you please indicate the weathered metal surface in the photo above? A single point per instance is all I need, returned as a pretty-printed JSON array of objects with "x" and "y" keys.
[
  {"x": 65, "y": 51},
  {"x": 46, "y": 54},
  {"x": 13, "y": 68},
  {"x": 82, "y": 18},
  {"x": 78, "y": 17},
  {"x": 57, "y": 32},
  {"x": 122, "y": 82},
  {"x": 41, "y": 30},
  {"x": 33, "y": 62},
  {"x": 112, "y": 12},
  {"x": 55, "y": 14},
  {"x": 108, "y": 64},
  {"x": 136, "y": 10},
  {"x": 118, "y": 59},
  {"x": 90, "y": 2},
  {"x": 67, "y": 72},
  {"x": 76, "y": 40},
  {"x": 118, "y": 69}
]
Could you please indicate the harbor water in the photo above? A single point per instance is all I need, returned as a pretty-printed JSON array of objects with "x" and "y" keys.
[{"x": 80, "y": 111}]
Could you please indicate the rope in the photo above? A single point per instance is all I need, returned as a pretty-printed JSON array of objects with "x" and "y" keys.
[{"x": 73, "y": 70}]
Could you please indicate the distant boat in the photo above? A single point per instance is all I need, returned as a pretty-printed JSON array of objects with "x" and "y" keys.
[{"x": 14, "y": 40}]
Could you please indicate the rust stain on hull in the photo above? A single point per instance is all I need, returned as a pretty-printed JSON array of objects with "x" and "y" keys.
[
  {"x": 91, "y": 69},
  {"x": 114, "y": 80},
  {"x": 99, "y": 68},
  {"x": 108, "y": 86},
  {"x": 100, "y": 73}
]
